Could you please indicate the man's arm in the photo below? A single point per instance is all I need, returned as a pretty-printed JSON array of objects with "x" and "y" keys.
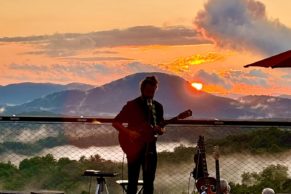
[{"x": 160, "y": 127}]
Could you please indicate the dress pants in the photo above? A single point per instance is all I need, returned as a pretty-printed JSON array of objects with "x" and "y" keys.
[{"x": 147, "y": 159}]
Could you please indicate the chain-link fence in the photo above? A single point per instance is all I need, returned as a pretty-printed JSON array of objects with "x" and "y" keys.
[{"x": 53, "y": 155}]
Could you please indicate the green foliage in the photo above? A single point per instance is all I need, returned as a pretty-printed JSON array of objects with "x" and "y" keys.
[
  {"x": 7, "y": 173},
  {"x": 65, "y": 174},
  {"x": 271, "y": 140},
  {"x": 48, "y": 173},
  {"x": 180, "y": 154},
  {"x": 273, "y": 176}
]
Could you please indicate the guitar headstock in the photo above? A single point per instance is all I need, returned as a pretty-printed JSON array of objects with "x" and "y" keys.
[
  {"x": 200, "y": 159},
  {"x": 200, "y": 142},
  {"x": 185, "y": 114},
  {"x": 216, "y": 153}
]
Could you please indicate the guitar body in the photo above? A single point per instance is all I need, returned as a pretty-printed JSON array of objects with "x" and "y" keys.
[
  {"x": 127, "y": 145},
  {"x": 132, "y": 148},
  {"x": 207, "y": 183}
]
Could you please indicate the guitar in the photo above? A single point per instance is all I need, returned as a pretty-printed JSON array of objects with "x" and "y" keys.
[
  {"x": 132, "y": 148},
  {"x": 216, "y": 157},
  {"x": 204, "y": 183}
]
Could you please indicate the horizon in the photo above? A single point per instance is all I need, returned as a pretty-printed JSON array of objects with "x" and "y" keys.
[
  {"x": 40, "y": 43},
  {"x": 231, "y": 96}
]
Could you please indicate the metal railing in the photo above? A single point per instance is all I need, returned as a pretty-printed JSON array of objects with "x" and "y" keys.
[{"x": 53, "y": 152}]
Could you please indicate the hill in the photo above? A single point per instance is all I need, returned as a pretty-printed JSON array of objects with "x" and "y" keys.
[
  {"x": 16, "y": 94},
  {"x": 175, "y": 93}
]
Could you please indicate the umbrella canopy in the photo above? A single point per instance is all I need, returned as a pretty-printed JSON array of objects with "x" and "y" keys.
[{"x": 276, "y": 61}]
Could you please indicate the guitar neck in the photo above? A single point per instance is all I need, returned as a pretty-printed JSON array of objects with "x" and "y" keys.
[
  {"x": 204, "y": 164},
  {"x": 182, "y": 115},
  {"x": 163, "y": 124},
  {"x": 202, "y": 156}
]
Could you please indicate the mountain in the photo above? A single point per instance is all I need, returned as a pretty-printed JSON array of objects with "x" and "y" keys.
[
  {"x": 285, "y": 96},
  {"x": 267, "y": 106},
  {"x": 78, "y": 86},
  {"x": 175, "y": 93},
  {"x": 15, "y": 94}
]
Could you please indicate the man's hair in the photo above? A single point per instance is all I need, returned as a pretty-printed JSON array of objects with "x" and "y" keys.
[{"x": 149, "y": 80}]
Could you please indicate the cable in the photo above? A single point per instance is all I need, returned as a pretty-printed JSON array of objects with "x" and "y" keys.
[{"x": 90, "y": 184}]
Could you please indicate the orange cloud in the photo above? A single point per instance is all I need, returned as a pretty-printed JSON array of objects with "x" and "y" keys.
[{"x": 184, "y": 64}]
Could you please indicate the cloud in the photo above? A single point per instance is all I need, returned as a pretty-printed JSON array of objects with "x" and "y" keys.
[
  {"x": 94, "y": 73},
  {"x": 28, "y": 67},
  {"x": 242, "y": 25},
  {"x": 42, "y": 38},
  {"x": 228, "y": 79},
  {"x": 88, "y": 59},
  {"x": 62, "y": 45},
  {"x": 186, "y": 64},
  {"x": 136, "y": 67},
  {"x": 253, "y": 77},
  {"x": 212, "y": 78},
  {"x": 258, "y": 73},
  {"x": 105, "y": 52},
  {"x": 260, "y": 106}
]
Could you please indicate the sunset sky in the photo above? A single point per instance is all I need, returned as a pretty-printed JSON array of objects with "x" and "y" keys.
[{"x": 97, "y": 41}]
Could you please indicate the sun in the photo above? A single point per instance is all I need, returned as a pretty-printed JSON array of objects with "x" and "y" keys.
[{"x": 197, "y": 86}]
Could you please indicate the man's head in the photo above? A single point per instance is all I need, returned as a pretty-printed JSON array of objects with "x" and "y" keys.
[
  {"x": 148, "y": 87},
  {"x": 268, "y": 191}
]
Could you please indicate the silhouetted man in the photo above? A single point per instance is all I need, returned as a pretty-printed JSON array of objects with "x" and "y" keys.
[{"x": 144, "y": 117}]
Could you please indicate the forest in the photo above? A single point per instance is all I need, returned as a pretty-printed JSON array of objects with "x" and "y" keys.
[{"x": 47, "y": 172}]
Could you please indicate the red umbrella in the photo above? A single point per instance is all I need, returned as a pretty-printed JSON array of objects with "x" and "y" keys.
[{"x": 279, "y": 60}]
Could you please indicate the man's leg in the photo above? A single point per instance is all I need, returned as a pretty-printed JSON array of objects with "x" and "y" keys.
[
  {"x": 133, "y": 175},
  {"x": 149, "y": 171}
]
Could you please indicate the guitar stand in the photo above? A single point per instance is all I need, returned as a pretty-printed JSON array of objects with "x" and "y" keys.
[{"x": 101, "y": 187}]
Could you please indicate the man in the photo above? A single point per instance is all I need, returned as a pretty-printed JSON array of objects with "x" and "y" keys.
[
  {"x": 224, "y": 186},
  {"x": 144, "y": 117}
]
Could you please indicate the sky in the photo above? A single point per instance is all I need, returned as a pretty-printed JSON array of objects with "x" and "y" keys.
[{"x": 97, "y": 41}]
